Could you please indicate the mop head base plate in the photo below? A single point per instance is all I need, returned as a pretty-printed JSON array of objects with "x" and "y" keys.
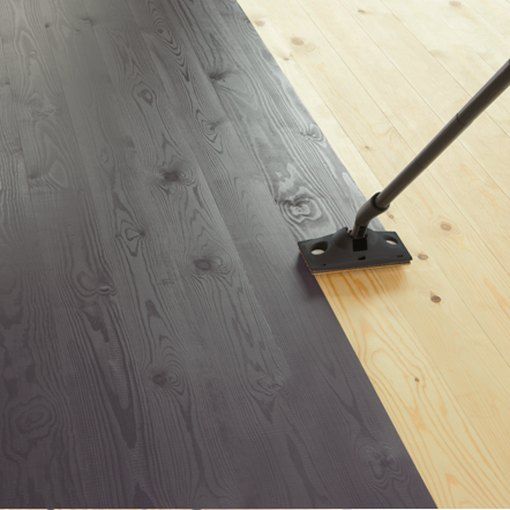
[{"x": 339, "y": 251}]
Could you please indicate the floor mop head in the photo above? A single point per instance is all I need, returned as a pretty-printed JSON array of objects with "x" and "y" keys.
[{"x": 340, "y": 251}]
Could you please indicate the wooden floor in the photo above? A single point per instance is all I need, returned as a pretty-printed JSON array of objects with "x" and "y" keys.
[
  {"x": 380, "y": 77},
  {"x": 161, "y": 343}
]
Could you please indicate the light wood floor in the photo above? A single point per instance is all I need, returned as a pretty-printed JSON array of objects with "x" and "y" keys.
[{"x": 381, "y": 77}]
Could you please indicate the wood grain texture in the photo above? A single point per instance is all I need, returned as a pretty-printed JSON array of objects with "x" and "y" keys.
[
  {"x": 379, "y": 92},
  {"x": 175, "y": 320},
  {"x": 34, "y": 410}
]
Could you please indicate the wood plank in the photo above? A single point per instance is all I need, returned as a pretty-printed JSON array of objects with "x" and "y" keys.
[{"x": 33, "y": 365}]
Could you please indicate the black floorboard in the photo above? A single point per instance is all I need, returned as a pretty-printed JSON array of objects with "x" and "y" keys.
[{"x": 161, "y": 344}]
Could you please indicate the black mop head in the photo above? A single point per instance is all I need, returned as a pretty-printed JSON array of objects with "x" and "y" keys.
[{"x": 339, "y": 251}]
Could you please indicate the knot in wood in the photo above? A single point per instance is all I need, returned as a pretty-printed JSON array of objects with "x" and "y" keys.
[
  {"x": 203, "y": 264},
  {"x": 171, "y": 175},
  {"x": 160, "y": 379},
  {"x": 104, "y": 288}
]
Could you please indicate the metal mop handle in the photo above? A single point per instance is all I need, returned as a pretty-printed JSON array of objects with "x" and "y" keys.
[{"x": 476, "y": 105}]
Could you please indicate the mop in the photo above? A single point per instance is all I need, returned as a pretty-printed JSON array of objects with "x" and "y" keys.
[{"x": 362, "y": 247}]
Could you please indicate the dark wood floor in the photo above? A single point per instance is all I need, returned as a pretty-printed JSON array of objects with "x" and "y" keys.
[{"x": 160, "y": 342}]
